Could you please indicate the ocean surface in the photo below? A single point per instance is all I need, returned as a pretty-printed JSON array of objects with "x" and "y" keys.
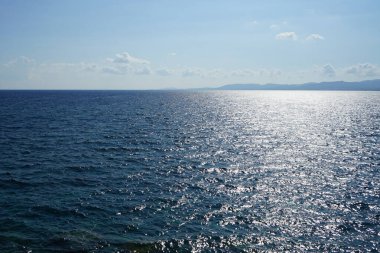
[{"x": 176, "y": 171}]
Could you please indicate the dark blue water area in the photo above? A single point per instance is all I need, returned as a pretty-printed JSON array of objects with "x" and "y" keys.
[{"x": 176, "y": 171}]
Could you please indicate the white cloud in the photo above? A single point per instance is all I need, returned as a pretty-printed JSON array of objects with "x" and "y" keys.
[
  {"x": 173, "y": 54},
  {"x": 22, "y": 60},
  {"x": 315, "y": 36},
  {"x": 164, "y": 72},
  {"x": 254, "y": 74},
  {"x": 125, "y": 69},
  {"x": 23, "y": 71},
  {"x": 16, "y": 70},
  {"x": 278, "y": 25},
  {"x": 286, "y": 36},
  {"x": 128, "y": 59},
  {"x": 216, "y": 73},
  {"x": 142, "y": 71},
  {"x": 273, "y": 26},
  {"x": 91, "y": 67},
  {"x": 124, "y": 63},
  {"x": 113, "y": 70},
  {"x": 328, "y": 70},
  {"x": 191, "y": 72},
  {"x": 203, "y": 73},
  {"x": 364, "y": 70},
  {"x": 243, "y": 72}
]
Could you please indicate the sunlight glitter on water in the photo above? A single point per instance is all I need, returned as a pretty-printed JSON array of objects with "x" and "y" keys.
[{"x": 190, "y": 171}]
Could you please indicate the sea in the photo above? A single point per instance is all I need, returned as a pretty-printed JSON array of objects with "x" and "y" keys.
[{"x": 189, "y": 171}]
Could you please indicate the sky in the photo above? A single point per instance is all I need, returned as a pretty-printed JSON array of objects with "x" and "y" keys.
[{"x": 155, "y": 44}]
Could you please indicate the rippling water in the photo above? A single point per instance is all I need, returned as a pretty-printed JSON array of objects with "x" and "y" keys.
[{"x": 143, "y": 171}]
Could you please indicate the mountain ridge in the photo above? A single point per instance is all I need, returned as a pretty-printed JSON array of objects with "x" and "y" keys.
[{"x": 366, "y": 85}]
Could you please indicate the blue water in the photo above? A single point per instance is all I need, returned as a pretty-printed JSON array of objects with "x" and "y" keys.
[{"x": 153, "y": 171}]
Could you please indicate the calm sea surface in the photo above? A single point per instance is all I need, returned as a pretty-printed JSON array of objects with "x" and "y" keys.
[{"x": 152, "y": 171}]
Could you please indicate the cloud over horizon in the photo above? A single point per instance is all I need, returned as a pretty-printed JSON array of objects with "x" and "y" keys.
[
  {"x": 286, "y": 36},
  {"x": 23, "y": 70},
  {"x": 315, "y": 36},
  {"x": 328, "y": 70},
  {"x": 164, "y": 72},
  {"x": 124, "y": 63},
  {"x": 364, "y": 70},
  {"x": 126, "y": 58}
]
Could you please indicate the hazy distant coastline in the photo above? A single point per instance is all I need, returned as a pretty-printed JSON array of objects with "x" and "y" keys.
[{"x": 368, "y": 85}]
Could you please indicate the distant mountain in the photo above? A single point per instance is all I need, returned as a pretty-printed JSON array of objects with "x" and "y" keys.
[{"x": 369, "y": 85}]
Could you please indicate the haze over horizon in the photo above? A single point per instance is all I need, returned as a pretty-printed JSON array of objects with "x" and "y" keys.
[{"x": 158, "y": 44}]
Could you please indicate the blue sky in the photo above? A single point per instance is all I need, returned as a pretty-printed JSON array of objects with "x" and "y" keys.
[{"x": 97, "y": 44}]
